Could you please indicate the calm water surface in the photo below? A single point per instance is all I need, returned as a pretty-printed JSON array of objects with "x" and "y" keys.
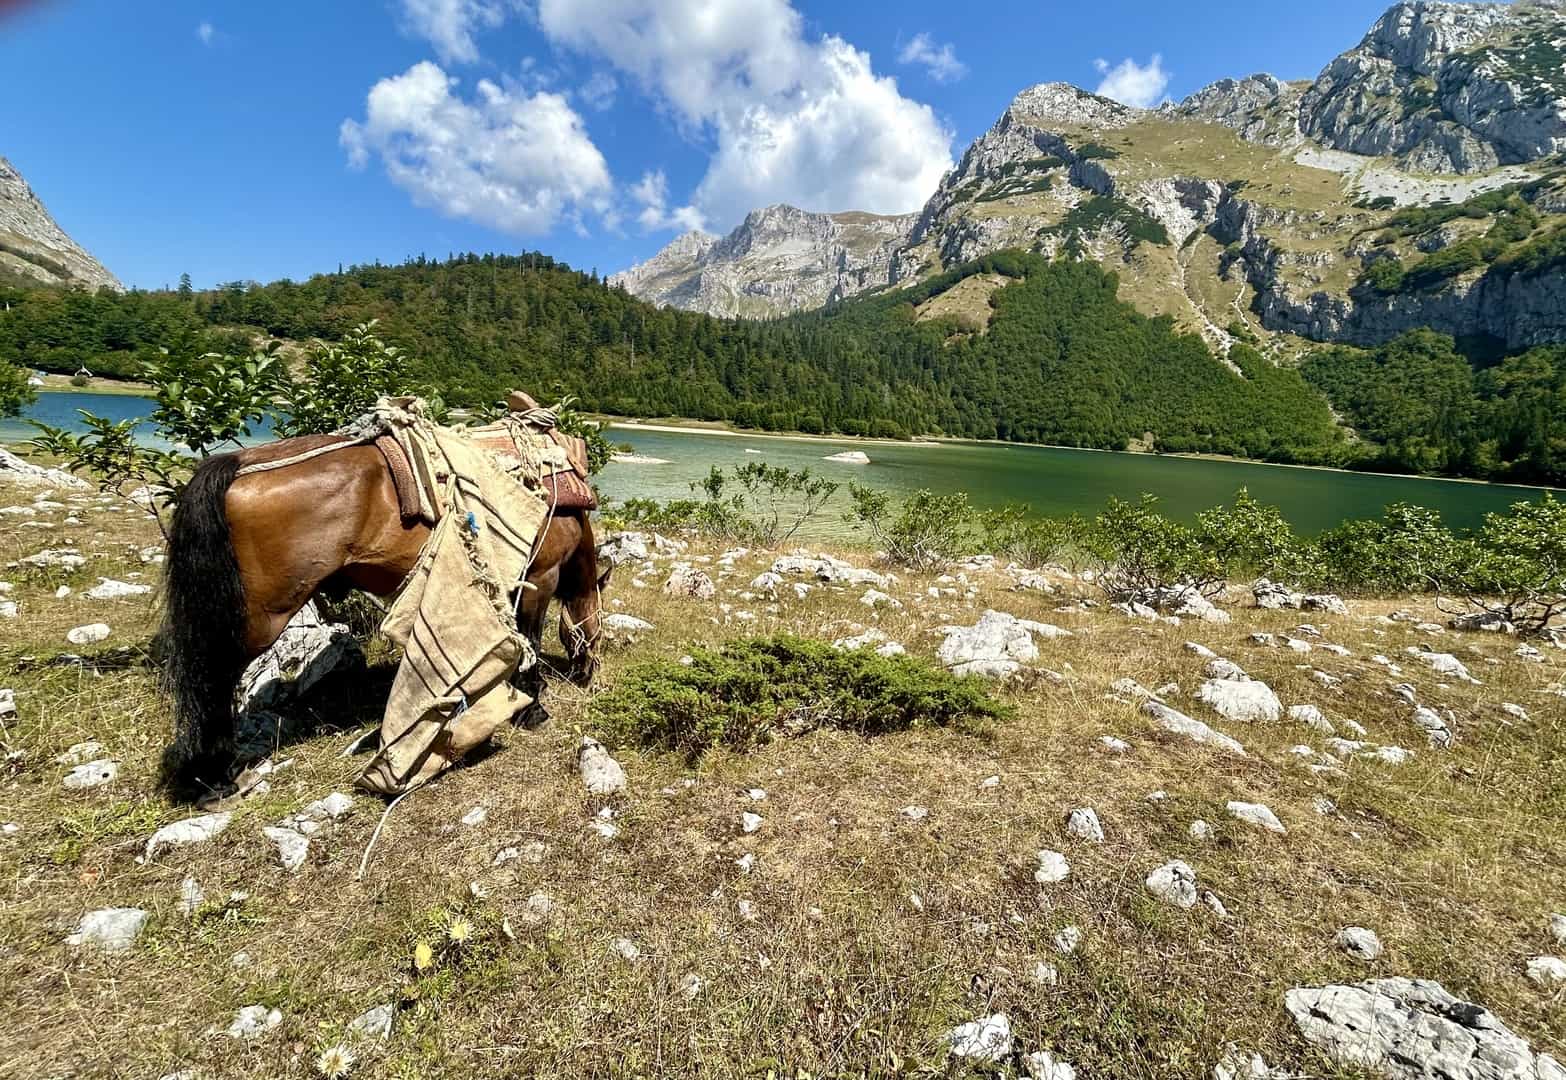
[{"x": 1052, "y": 481}]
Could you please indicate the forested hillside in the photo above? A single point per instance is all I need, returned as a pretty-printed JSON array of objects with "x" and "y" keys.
[{"x": 1044, "y": 352}]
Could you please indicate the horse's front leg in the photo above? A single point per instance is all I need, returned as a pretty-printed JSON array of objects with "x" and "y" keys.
[{"x": 534, "y": 605}]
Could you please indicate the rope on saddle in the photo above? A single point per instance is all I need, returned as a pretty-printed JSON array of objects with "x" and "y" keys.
[{"x": 300, "y": 458}]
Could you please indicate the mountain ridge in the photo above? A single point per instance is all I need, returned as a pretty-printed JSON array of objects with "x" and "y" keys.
[
  {"x": 34, "y": 248},
  {"x": 1249, "y": 204}
]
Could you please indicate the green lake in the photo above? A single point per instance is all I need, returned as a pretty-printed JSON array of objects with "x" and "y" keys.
[{"x": 1050, "y": 480}]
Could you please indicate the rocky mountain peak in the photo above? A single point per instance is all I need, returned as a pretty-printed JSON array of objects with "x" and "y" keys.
[
  {"x": 1063, "y": 103},
  {"x": 33, "y": 247}
]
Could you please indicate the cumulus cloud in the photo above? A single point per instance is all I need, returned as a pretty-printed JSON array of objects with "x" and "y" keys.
[
  {"x": 453, "y": 25},
  {"x": 651, "y": 193},
  {"x": 515, "y": 161},
  {"x": 206, "y": 33},
  {"x": 791, "y": 120},
  {"x": 940, "y": 61},
  {"x": 1134, "y": 84}
]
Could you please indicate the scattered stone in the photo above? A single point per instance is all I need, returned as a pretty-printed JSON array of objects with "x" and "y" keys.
[
  {"x": 1083, "y": 824},
  {"x": 1256, "y": 814},
  {"x": 987, "y": 1039},
  {"x": 475, "y": 817},
  {"x": 1412, "y": 1029},
  {"x": 90, "y": 634},
  {"x": 1360, "y": 943},
  {"x": 1214, "y": 904},
  {"x": 308, "y": 650},
  {"x": 1323, "y": 805},
  {"x": 1276, "y": 597},
  {"x": 1067, "y": 940},
  {"x": 1236, "y": 1065},
  {"x": 254, "y": 1021},
  {"x": 1433, "y": 725},
  {"x": 1558, "y": 927},
  {"x": 1042, "y": 1065},
  {"x": 997, "y": 638},
  {"x": 749, "y": 822},
  {"x": 77, "y": 753},
  {"x": 617, "y": 623},
  {"x": 8, "y": 609},
  {"x": 1219, "y": 668},
  {"x": 914, "y": 813},
  {"x": 1442, "y": 664},
  {"x": 1053, "y": 867},
  {"x": 21, "y": 473},
  {"x": 1250, "y": 701},
  {"x": 1547, "y": 970},
  {"x": 191, "y": 897},
  {"x": 1312, "y": 717},
  {"x": 1045, "y": 973},
  {"x": 1177, "y": 723},
  {"x": 1114, "y": 745},
  {"x": 109, "y": 589},
  {"x": 8, "y": 704},
  {"x": 374, "y": 1026},
  {"x": 1200, "y": 830},
  {"x": 1131, "y": 688},
  {"x": 1174, "y": 883},
  {"x": 626, "y": 949},
  {"x": 874, "y": 598},
  {"x": 109, "y": 929},
  {"x": 193, "y": 830},
  {"x": 92, "y": 774},
  {"x": 292, "y": 846},
  {"x": 1200, "y": 650},
  {"x": 1327, "y": 602},
  {"x": 687, "y": 581},
  {"x": 601, "y": 773}
]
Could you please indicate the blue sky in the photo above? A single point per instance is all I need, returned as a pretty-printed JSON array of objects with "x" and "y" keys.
[{"x": 258, "y": 141}]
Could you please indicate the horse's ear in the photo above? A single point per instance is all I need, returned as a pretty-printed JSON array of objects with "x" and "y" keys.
[{"x": 608, "y": 572}]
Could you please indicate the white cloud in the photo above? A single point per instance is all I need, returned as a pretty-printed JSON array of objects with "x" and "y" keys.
[
  {"x": 515, "y": 161},
  {"x": 791, "y": 120},
  {"x": 1133, "y": 84},
  {"x": 206, "y": 32},
  {"x": 940, "y": 61},
  {"x": 451, "y": 25},
  {"x": 652, "y": 194},
  {"x": 599, "y": 90}
]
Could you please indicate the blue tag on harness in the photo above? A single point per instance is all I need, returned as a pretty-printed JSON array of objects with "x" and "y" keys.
[{"x": 473, "y": 525}]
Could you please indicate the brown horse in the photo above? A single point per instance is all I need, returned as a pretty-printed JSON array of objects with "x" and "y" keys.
[{"x": 246, "y": 553}]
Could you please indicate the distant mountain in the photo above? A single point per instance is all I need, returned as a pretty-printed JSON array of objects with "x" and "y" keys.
[
  {"x": 33, "y": 248},
  {"x": 1254, "y": 207},
  {"x": 779, "y": 259}
]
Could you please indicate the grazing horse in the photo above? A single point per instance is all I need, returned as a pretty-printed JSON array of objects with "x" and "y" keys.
[{"x": 247, "y": 552}]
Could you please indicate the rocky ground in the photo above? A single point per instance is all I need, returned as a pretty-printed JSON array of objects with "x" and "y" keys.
[{"x": 1217, "y": 848}]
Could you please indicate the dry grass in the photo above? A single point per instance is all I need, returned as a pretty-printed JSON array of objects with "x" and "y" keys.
[{"x": 1455, "y": 859}]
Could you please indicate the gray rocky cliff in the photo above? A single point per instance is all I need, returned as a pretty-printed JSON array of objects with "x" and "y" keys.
[{"x": 34, "y": 248}]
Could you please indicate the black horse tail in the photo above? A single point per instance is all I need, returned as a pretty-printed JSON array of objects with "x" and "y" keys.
[{"x": 203, "y": 631}]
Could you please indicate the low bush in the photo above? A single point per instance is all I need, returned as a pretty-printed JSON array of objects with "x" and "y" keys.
[
  {"x": 1408, "y": 549},
  {"x": 743, "y": 694},
  {"x": 1252, "y": 539},
  {"x": 925, "y": 532},
  {"x": 1516, "y": 566},
  {"x": 1142, "y": 555},
  {"x": 756, "y": 503},
  {"x": 1014, "y": 532}
]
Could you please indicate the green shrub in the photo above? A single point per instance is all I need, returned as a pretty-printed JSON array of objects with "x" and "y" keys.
[
  {"x": 1142, "y": 555},
  {"x": 755, "y": 503},
  {"x": 741, "y": 695},
  {"x": 925, "y": 532},
  {"x": 1516, "y": 565},
  {"x": 1253, "y": 539},
  {"x": 1013, "y": 532},
  {"x": 1409, "y": 549}
]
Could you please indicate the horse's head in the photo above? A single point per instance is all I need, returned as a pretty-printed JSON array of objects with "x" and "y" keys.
[{"x": 581, "y": 626}]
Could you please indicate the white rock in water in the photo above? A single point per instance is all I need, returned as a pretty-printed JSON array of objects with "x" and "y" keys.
[
  {"x": 91, "y": 775},
  {"x": 193, "y": 830},
  {"x": 1053, "y": 867},
  {"x": 850, "y": 457},
  {"x": 1043, "y": 1065},
  {"x": 1256, "y": 814},
  {"x": 1174, "y": 883},
  {"x": 1412, "y": 1029},
  {"x": 109, "y": 589},
  {"x": 1359, "y": 942},
  {"x": 1251, "y": 701},
  {"x": 110, "y": 929},
  {"x": 617, "y": 623},
  {"x": 987, "y": 1039},
  {"x": 1547, "y": 970},
  {"x": 1083, "y": 824},
  {"x": 90, "y": 634},
  {"x": 1177, "y": 723},
  {"x": 601, "y": 773},
  {"x": 253, "y": 1021},
  {"x": 687, "y": 581}
]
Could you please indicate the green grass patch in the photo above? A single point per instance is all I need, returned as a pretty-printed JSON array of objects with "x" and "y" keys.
[{"x": 742, "y": 694}]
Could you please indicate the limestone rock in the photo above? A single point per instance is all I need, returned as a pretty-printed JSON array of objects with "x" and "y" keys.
[
  {"x": 1256, "y": 814},
  {"x": 1174, "y": 883},
  {"x": 1083, "y": 824},
  {"x": 1248, "y": 701},
  {"x": 1053, "y": 867},
  {"x": 997, "y": 636},
  {"x": 109, "y": 929},
  {"x": 601, "y": 773},
  {"x": 1177, "y": 723},
  {"x": 688, "y": 582},
  {"x": 987, "y": 1039},
  {"x": 109, "y": 589},
  {"x": 1547, "y": 971},
  {"x": 1042, "y": 1065},
  {"x": 92, "y": 774},
  {"x": 617, "y": 623},
  {"x": 253, "y": 1021},
  {"x": 91, "y": 634},
  {"x": 193, "y": 830},
  {"x": 1359, "y": 943},
  {"x": 1412, "y": 1029},
  {"x": 13, "y": 470},
  {"x": 308, "y": 649}
]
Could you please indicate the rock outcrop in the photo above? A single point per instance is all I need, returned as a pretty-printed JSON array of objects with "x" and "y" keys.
[{"x": 34, "y": 248}]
